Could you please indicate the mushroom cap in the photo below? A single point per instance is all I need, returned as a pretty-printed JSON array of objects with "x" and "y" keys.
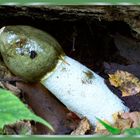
[{"x": 29, "y": 52}]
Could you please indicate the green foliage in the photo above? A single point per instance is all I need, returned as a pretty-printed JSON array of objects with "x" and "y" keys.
[
  {"x": 13, "y": 110},
  {"x": 112, "y": 130},
  {"x": 132, "y": 131}
]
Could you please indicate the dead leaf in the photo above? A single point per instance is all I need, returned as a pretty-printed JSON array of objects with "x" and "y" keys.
[
  {"x": 5, "y": 77},
  {"x": 126, "y": 82},
  {"x": 122, "y": 123},
  {"x": 19, "y": 128},
  {"x": 101, "y": 130},
  {"x": 113, "y": 67},
  {"x": 82, "y": 128},
  {"x": 127, "y": 120},
  {"x": 12, "y": 88},
  {"x": 134, "y": 116},
  {"x": 47, "y": 106}
]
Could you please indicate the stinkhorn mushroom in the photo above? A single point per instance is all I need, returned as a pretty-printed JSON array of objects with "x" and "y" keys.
[{"x": 34, "y": 55}]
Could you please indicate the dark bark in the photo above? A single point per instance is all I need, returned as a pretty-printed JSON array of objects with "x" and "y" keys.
[{"x": 128, "y": 14}]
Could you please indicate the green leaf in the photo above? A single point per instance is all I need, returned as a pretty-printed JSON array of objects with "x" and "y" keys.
[
  {"x": 132, "y": 131},
  {"x": 13, "y": 110},
  {"x": 112, "y": 130}
]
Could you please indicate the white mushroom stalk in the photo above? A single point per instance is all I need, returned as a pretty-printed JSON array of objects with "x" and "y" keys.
[
  {"x": 80, "y": 89},
  {"x": 83, "y": 91}
]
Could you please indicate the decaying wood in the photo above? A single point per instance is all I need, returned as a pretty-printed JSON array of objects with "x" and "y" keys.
[{"x": 128, "y": 14}]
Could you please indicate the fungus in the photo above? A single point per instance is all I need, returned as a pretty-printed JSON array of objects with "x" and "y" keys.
[{"x": 34, "y": 55}]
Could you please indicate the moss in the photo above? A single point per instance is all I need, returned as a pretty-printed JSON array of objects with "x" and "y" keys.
[{"x": 28, "y": 52}]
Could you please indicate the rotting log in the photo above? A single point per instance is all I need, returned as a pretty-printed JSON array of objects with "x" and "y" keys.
[{"x": 128, "y": 14}]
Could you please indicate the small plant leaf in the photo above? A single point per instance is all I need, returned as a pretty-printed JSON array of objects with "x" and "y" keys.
[
  {"x": 132, "y": 131},
  {"x": 13, "y": 110},
  {"x": 111, "y": 129}
]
